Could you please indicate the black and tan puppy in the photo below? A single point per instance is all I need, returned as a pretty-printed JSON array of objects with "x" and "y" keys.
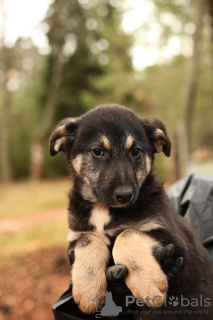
[{"x": 119, "y": 209}]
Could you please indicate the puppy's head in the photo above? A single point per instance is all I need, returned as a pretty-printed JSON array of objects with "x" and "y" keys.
[{"x": 111, "y": 150}]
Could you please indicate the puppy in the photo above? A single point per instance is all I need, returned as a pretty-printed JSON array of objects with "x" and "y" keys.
[{"x": 120, "y": 214}]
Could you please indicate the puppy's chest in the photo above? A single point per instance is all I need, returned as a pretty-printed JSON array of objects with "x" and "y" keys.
[
  {"x": 99, "y": 221},
  {"x": 99, "y": 218}
]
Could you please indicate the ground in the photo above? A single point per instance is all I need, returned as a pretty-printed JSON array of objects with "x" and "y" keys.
[
  {"x": 34, "y": 270},
  {"x": 31, "y": 283}
]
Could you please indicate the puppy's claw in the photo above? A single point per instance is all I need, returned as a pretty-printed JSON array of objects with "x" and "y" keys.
[
  {"x": 168, "y": 252},
  {"x": 164, "y": 255},
  {"x": 158, "y": 252},
  {"x": 177, "y": 266}
]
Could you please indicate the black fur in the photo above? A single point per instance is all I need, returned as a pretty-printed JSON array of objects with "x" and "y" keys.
[{"x": 118, "y": 169}]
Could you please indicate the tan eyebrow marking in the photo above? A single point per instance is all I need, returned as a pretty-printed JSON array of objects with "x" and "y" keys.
[
  {"x": 105, "y": 141},
  {"x": 129, "y": 142}
]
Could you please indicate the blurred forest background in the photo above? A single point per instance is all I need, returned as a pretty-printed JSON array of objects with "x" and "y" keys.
[
  {"x": 154, "y": 56},
  {"x": 88, "y": 58}
]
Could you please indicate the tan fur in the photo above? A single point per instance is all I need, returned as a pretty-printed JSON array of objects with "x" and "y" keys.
[
  {"x": 139, "y": 175},
  {"x": 159, "y": 133},
  {"x": 58, "y": 143},
  {"x": 158, "y": 143},
  {"x": 61, "y": 129},
  {"x": 101, "y": 236},
  {"x": 129, "y": 142},
  {"x": 149, "y": 225},
  {"x": 77, "y": 163},
  {"x": 73, "y": 235},
  {"x": 145, "y": 277},
  {"x": 87, "y": 193},
  {"x": 105, "y": 141},
  {"x": 145, "y": 225},
  {"x": 148, "y": 164},
  {"x": 88, "y": 273}
]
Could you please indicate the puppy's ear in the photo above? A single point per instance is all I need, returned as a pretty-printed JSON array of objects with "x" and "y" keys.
[
  {"x": 63, "y": 135},
  {"x": 157, "y": 135}
]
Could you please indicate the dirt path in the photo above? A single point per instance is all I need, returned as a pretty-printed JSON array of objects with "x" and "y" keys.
[
  {"x": 33, "y": 220},
  {"x": 30, "y": 286},
  {"x": 33, "y": 281}
]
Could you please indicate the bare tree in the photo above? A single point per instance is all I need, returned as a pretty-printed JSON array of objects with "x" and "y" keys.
[
  {"x": 184, "y": 129},
  {"x": 193, "y": 69},
  {"x": 6, "y": 103},
  {"x": 211, "y": 13},
  {"x": 37, "y": 149}
]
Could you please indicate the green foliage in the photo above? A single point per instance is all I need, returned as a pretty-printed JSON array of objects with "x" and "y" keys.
[
  {"x": 90, "y": 71},
  {"x": 97, "y": 68}
]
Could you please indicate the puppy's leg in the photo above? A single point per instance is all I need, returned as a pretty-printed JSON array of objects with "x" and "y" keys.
[
  {"x": 145, "y": 278},
  {"x": 88, "y": 272}
]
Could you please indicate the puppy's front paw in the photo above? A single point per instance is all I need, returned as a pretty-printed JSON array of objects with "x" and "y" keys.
[
  {"x": 145, "y": 278},
  {"x": 88, "y": 273},
  {"x": 170, "y": 264},
  {"x": 89, "y": 286},
  {"x": 150, "y": 285}
]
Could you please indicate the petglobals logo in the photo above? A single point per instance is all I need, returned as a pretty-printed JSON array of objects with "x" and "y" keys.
[
  {"x": 181, "y": 303},
  {"x": 173, "y": 301}
]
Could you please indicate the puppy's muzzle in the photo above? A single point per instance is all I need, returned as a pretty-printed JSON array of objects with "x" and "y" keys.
[{"x": 123, "y": 195}]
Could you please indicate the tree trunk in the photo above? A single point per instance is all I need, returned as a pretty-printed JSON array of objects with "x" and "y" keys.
[
  {"x": 211, "y": 14},
  {"x": 37, "y": 148},
  {"x": 5, "y": 108},
  {"x": 191, "y": 83},
  {"x": 5, "y": 129}
]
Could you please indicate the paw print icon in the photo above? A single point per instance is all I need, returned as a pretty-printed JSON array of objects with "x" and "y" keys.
[{"x": 174, "y": 301}]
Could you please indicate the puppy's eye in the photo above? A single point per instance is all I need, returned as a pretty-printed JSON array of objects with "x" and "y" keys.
[
  {"x": 136, "y": 152},
  {"x": 98, "y": 152}
]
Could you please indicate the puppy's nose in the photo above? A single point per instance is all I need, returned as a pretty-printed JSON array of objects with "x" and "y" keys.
[{"x": 123, "y": 194}]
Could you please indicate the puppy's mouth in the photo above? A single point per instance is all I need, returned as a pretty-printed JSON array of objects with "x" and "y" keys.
[
  {"x": 122, "y": 205},
  {"x": 111, "y": 203}
]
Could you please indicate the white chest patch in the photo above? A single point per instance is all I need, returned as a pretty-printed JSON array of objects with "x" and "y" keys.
[{"x": 99, "y": 217}]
